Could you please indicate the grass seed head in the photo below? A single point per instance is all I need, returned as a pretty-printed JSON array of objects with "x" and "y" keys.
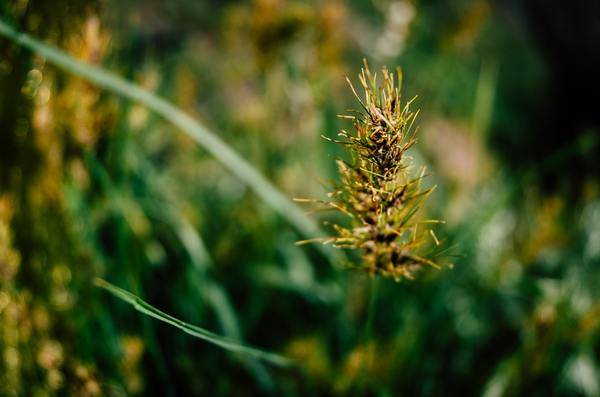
[{"x": 379, "y": 190}]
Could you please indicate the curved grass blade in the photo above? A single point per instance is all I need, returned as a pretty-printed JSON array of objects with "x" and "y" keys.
[
  {"x": 225, "y": 343},
  {"x": 228, "y": 157}
]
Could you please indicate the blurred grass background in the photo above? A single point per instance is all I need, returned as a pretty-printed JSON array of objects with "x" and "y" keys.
[{"x": 95, "y": 185}]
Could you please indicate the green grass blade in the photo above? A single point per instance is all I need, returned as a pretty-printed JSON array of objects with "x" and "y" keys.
[
  {"x": 225, "y": 343},
  {"x": 203, "y": 136}
]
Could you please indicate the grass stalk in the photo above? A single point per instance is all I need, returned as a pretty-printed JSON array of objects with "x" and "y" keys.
[{"x": 198, "y": 332}]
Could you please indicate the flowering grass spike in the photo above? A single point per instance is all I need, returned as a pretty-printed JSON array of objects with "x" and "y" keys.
[{"x": 378, "y": 189}]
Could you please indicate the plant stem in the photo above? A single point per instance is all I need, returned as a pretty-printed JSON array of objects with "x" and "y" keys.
[{"x": 370, "y": 350}]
